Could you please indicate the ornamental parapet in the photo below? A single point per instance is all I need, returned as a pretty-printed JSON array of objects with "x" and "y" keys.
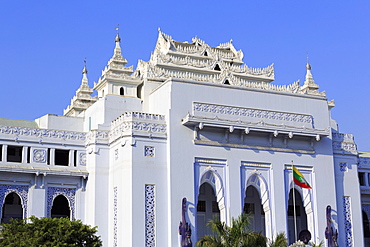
[
  {"x": 97, "y": 137},
  {"x": 19, "y": 133},
  {"x": 138, "y": 124},
  {"x": 344, "y": 143}
]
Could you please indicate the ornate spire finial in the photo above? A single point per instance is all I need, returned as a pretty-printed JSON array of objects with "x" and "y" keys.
[
  {"x": 84, "y": 71},
  {"x": 308, "y": 65},
  {"x": 118, "y": 39},
  {"x": 117, "y": 49}
]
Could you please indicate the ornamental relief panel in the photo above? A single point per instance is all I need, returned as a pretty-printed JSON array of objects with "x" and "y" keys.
[
  {"x": 39, "y": 155},
  {"x": 347, "y": 220},
  {"x": 82, "y": 159},
  {"x": 150, "y": 215}
]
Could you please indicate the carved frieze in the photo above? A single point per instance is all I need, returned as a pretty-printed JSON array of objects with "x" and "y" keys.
[
  {"x": 43, "y": 133},
  {"x": 252, "y": 113}
]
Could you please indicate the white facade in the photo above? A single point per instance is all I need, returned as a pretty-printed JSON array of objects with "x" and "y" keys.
[{"x": 195, "y": 122}]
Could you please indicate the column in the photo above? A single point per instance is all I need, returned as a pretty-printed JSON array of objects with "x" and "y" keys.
[
  {"x": 5, "y": 150},
  {"x": 71, "y": 157},
  {"x": 24, "y": 154},
  {"x": 52, "y": 157}
]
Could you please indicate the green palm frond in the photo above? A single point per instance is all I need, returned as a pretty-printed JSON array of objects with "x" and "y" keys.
[
  {"x": 279, "y": 241},
  {"x": 238, "y": 234}
]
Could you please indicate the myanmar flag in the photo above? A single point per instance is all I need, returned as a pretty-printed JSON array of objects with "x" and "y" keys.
[{"x": 299, "y": 179}]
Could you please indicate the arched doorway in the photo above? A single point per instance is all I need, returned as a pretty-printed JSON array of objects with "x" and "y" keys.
[
  {"x": 60, "y": 208},
  {"x": 207, "y": 209},
  {"x": 301, "y": 216},
  {"x": 12, "y": 208},
  {"x": 253, "y": 207}
]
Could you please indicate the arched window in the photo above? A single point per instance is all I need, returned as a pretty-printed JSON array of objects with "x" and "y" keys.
[
  {"x": 227, "y": 82},
  {"x": 12, "y": 208},
  {"x": 207, "y": 209},
  {"x": 60, "y": 208},
  {"x": 217, "y": 67},
  {"x": 121, "y": 91},
  {"x": 301, "y": 216},
  {"x": 253, "y": 207}
]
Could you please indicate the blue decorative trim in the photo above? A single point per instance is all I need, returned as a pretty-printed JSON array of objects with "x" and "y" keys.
[
  {"x": 347, "y": 220},
  {"x": 115, "y": 217},
  {"x": 343, "y": 167},
  {"x": 69, "y": 193},
  {"x": 150, "y": 215},
  {"x": 21, "y": 191}
]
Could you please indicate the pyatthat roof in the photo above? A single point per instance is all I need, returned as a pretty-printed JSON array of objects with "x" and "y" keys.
[{"x": 197, "y": 61}]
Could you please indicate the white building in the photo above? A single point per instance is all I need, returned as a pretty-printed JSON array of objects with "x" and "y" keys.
[{"x": 193, "y": 122}]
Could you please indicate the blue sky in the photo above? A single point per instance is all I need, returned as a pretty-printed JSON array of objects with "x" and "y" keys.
[{"x": 43, "y": 45}]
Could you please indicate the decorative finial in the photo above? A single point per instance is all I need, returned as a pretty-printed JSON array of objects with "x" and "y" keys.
[
  {"x": 308, "y": 65},
  {"x": 159, "y": 29},
  {"x": 117, "y": 39},
  {"x": 84, "y": 71}
]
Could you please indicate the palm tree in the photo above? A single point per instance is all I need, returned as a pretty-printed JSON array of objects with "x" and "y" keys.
[
  {"x": 279, "y": 241},
  {"x": 237, "y": 235}
]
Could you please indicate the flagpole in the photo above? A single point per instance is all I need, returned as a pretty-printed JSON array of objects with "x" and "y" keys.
[{"x": 294, "y": 217}]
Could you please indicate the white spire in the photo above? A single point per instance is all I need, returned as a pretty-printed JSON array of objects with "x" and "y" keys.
[{"x": 309, "y": 84}]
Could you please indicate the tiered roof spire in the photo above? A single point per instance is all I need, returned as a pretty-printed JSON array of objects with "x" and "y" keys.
[
  {"x": 117, "y": 74},
  {"x": 83, "y": 99},
  {"x": 309, "y": 86}
]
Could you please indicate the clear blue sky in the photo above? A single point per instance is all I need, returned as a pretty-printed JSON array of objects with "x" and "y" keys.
[{"x": 43, "y": 45}]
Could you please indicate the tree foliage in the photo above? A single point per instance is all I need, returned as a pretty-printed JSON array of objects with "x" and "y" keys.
[
  {"x": 48, "y": 232},
  {"x": 279, "y": 241},
  {"x": 238, "y": 234}
]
